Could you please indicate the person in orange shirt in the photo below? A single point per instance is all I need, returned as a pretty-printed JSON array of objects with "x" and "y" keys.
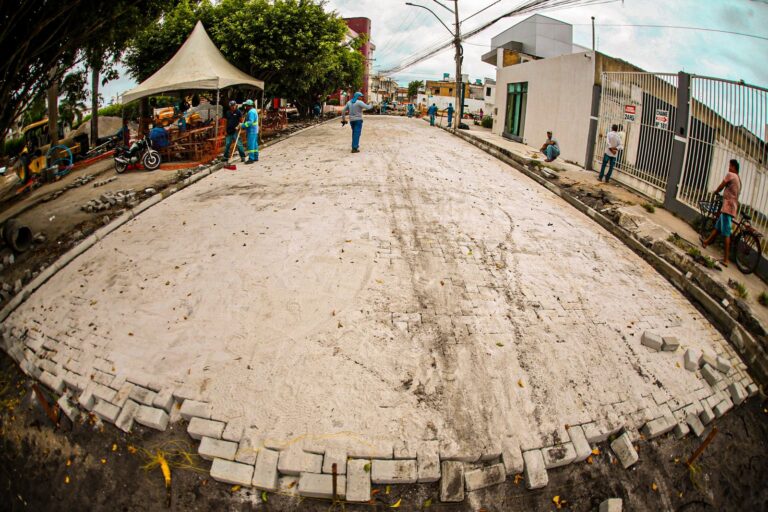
[{"x": 731, "y": 187}]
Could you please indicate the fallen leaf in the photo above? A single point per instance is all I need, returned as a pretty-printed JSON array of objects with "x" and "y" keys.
[
  {"x": 264, "y": 496},
  {"x": 396, "y": 505},
  {"x": 499, "y": 344},
  {"x": 520, "y": 383},
  {"x": 69, "y": 462},
  {"x": 589, "y": 460},
  {"x": 375, "y": 492},
  {"x": 518, "y": 478},
  {"x": 677, "y": 460},
  {"x": 103, "y": 461},
  {"x": 389, "y": 488},
  {"x": 235, "y": 488},
  {"x": 114, "y": 447},
  {"x": 596, "y": 451},
  {"x": 292, "y": 484},
  {"x": 380, "y": 281},
  {"x": 367, "y": 468},
  {"x": 654, "y": 486},
  {"x": 677, "y": 364},
  {"x": 556, "y": 501},
  {"x": 66, "y": 479},
  {"x": 427, "y": 503}
]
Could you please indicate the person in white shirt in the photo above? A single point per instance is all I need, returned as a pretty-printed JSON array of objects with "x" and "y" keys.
[{"x": 613, "y": 146}]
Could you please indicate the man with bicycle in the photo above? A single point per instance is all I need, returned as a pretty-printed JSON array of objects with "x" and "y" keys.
[{"x": 730, "y": 187}]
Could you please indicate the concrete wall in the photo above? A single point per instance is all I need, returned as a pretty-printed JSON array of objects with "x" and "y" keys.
[
  {"x": 559, "y": 99},
  {"x": 541, "y": 36},
  {"x": 470, "y": 106}
]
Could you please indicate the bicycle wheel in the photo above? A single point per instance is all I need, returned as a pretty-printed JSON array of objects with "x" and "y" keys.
[
  {"x": 706, "y": 225},
  {"x": 748, "y": 252}
]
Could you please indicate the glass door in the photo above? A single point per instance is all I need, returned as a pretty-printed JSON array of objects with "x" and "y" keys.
[{"x": 517, "y": 97}]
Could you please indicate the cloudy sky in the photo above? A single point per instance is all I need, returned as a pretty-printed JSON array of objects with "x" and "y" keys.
[{"x": 400, "y": 31}]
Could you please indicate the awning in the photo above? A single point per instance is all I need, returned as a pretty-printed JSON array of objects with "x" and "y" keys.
[{"x": 198, "y": 65}]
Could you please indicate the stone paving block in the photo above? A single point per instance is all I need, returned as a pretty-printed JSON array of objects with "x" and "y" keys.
[
  {"x": 695, "y": 423},
  {"x": 658, "y": 426},
  {"x": 393, "y": 471},
  {"x": 707, "y": 415},
  {"x": 723, "y": 407},
  {"x": 359, "y": 481},
  {"x": 194, "y": 409},
  {"x": 106, "y": 411},
  {"x": 127, "y": 415},
  {"x": 452, "y": 481},
  {"x": 337, "y": 456},
  {"x": 512, "y": 457},
  {"x": 68, "y": 408},
  {"x": 295, "y": 461},
  {"x": 143, "y": 395},
  {"x": 210, "y": 449},
  {"x": 52, "y": 382},
  {"x": 691, "y": 359},
  {"x": 535, "y": 471},
  {"x": 369, "y": 450},
  {"x": 86, "y": 400},
  {"x": 249, "y": 447},
  {"x": 152, "y": 417},
  {"x": 611, "y": 505},
  {"x": 314, "y": 485},
  {"x": 164, "y": 400},
  {"x": 231, "y": 472},
  {"x": 31, "y": 370},
  {"x": 708, "y": 359},
  {"x": 48, "y": 366},
  {"x": 428, "y": 462},
  {"x": 624, "y": 450},
  {"x": 405, "y": 450},
  {"x": 752, "y": 389},
  {"x": 710, "y": 375},
  {"x": 484, "y": 477},
  {"x": 450, "y": 450},
  {"x": 593, "y": 433},
  {"x": 723, "y": 365},
  {"x": 580, "y": 443},
  {"x": 652, "y": 340},
  {"x": 265, "y": 475},
  {"x": 103, "y": 392},
  {"x": 670, "y": 343},
  {"x": 74, "y": 381},
  {"x": 558, "y": 455},
  {"x": 737, "y": 392},
  {"x": 682, "y": 430},
  {"x": 199, "y": 428},
  {"x": 234, "y": 430},
  {"x": 122, "y": 395}
]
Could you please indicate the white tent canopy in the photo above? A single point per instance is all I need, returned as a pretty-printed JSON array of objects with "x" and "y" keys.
[{"x": 198, "y": 65}]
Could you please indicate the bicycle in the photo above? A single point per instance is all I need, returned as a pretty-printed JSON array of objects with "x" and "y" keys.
[{"x": 746, "y": 239}]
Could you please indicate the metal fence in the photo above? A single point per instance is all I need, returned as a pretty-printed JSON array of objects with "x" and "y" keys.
[
  {"x": 643, "y": 105},
  {"x": 727, "y": 120}
]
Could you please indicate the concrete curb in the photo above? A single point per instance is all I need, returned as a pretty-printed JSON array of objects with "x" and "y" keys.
[{"x": 750, "y": 350}]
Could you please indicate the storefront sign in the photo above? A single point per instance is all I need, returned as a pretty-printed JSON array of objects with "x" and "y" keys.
[
  {"x": 662, "y": 119},
  {"x": 629, "y": 113}
]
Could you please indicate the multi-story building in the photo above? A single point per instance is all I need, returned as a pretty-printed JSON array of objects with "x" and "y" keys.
[{"x": 362, "y": 27}]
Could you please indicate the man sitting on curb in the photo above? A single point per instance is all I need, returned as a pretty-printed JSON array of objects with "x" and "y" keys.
[{"x": 550, "y": 148}]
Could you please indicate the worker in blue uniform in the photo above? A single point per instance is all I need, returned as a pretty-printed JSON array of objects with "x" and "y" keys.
[{"x": 251, "y": 127}]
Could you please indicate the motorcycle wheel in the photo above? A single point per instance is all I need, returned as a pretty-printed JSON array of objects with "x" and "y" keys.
[
  {"x": 151, "y": 160},
  {"x": 120, "y": 167}
]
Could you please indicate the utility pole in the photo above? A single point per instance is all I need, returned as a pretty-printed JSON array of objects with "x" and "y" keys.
[
  {"x": 593, "y": 35},
  {"x": 459, "y": 58}
]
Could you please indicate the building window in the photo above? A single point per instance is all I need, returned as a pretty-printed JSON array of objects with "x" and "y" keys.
[
  {"x": 487, "y": 91},
  {"x": 517, "y": 98}
]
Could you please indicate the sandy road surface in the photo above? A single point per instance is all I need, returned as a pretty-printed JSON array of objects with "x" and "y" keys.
[{"x": 418, "y": 290}]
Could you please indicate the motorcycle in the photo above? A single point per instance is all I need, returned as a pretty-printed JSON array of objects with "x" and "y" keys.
[{"x": 140, "y": 151}]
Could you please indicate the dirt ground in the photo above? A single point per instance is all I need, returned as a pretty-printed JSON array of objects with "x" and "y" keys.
[{"x": 84, "y": 467}]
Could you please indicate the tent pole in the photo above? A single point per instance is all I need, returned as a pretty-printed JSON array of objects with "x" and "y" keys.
[
  {"x": 262, "y": 113},
  {"x": 216, "y": 133}
]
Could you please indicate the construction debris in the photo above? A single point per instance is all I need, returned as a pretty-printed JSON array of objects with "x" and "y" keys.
[{"x": 109, "y": 199}]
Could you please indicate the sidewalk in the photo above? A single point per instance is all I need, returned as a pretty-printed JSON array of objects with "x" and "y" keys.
[{"x": 658, "y": 226}]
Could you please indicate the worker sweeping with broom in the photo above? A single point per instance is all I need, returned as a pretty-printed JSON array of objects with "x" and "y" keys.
[
  {"x": 251, "y": 127},
  {"x": 234, "y": 118}
]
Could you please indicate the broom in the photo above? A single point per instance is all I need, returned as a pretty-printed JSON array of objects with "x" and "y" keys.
[{"x": 231, "y": 166}]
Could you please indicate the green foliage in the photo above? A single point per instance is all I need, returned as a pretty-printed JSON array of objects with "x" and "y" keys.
[
  {"x": 295, "y": 46},
  {"x": 413, "y": 88},
  {"x": 739, "y": 288},
  {"x": 487, "y": 122},
  {"x": 649, "y": 207},
  {"x": 763, "y": 298},
  {"x": 694, "y": 252},
  {"x": 75, "y": 91},
  {"x": 333, "y": 101},
  {"x": 12, "y": 147}
]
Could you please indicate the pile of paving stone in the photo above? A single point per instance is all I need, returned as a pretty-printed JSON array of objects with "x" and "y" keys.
[
  {"x": 109, "y": 199},
  {"x": 79, "y": 182},
  {"x": 8, "y": 290},
  {"x": 104, "y": 182}
]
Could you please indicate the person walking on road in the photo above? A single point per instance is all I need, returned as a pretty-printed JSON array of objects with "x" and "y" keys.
[
  {"x": 355, "y": 107},
  {"x": 234, "y": 118},
  {"x": 411, "y": 110},
  {"x": 450, "y": 114},
  {"x": 550, "y": 148},
  {"x": 731, "y": 187},
  {"x": 432, "y": 111},
  {"x": 613, "y": 146},
  {"x": 251, "y": 127}
]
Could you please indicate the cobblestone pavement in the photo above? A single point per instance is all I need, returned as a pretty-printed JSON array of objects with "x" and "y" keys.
[{"x": 419, "y": 296}]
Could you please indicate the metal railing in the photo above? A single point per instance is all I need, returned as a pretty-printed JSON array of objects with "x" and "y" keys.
[
  {"x": 643, "y": 105},
  {"x": 727, "y": 120}
]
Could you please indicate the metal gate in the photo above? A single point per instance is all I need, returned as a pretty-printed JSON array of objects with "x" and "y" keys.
[
  {"x": 727, "y": 120},
  {"x": 643, "y": 105}
]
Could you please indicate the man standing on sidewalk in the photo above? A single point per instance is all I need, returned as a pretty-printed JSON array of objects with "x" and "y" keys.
[
  {"x": 233, "y": 117},
  {"x": 613, "y": 146},
  {"x": 731, "y": 187},
  {"x": 432, "y": 111},
  {"x": 251, "y": 126},
  {"x": 450, "y": 115}
]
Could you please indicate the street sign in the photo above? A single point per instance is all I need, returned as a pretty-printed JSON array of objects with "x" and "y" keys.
[
  {"x": 629, "y": 113},
  {"x": 662, "y": 119}
]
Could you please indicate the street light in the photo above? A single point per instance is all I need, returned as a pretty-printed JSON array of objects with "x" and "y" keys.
[{"x": 456, "y": 33}]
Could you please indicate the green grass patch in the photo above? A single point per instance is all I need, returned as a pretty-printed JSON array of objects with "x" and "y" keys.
[
  {"x": 740, "y": 289},
  {"x": 763, "y": 298},
  {"x": 693, "y": 252}
]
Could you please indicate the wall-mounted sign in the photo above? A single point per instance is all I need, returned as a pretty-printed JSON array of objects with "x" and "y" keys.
[
  {"x": 662, "y": 119},
  {"x": 629, "y": 113}
]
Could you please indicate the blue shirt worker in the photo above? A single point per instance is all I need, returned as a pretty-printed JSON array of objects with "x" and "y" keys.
[
  {"x": 251, "y": 127},
  {"x": 233, "y": 117},
  {"x": 159, "y": 137},
  {"x": 550, "y": 148},
  {"x": 411, "y": 110},
  {"x": 432, "y": 111},
  {"x": 450, "y": 114},
  {"x": 355, "y": 107}
]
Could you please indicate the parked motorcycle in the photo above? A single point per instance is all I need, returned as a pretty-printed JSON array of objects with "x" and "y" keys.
[{"x": 140, "y": 151}]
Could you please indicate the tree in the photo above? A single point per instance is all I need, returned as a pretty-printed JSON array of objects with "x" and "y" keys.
[
  {"x": 42, "y": 40},
  {"x": 295, "y": 46},
  {"x": 414, "y": 87},
  {"x": 75, "y": 92}
]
